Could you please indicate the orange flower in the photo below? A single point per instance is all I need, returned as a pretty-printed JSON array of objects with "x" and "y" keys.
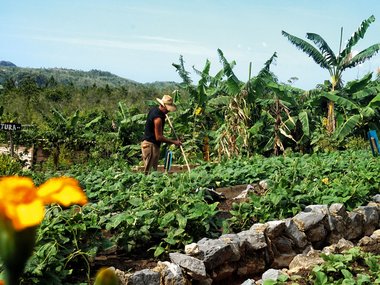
[
  {"x": 23, "y": 203},
  {"x": 1, "y": 282}
]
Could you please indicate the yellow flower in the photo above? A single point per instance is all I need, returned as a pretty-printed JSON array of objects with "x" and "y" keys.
[
  {"x": 325, "y": 180},
  {"x": 198, "y": 111},
  {"x": 23, "y": 203}
]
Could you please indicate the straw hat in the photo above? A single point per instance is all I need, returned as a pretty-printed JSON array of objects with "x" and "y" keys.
[{"x": 167, "y": 102}]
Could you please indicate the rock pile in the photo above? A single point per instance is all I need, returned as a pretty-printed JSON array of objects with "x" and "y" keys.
[{"x": 294, "y": 244}]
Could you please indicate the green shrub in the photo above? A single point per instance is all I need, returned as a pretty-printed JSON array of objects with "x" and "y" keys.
[{"x": 9, "y": 165}]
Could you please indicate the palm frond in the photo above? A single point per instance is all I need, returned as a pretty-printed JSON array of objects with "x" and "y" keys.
[
  {"x": 233, "y": 83},
  {"x": 366, "y": 93},
  {"x": 219, "y": 101},
  {"x": 356, "y": 36},
  {"x": 202, "y": 84},
  {"x": 341, "y": 101},
  {"x": 265, "y": 73},
  {"x": 323, "y": 47},
  {"x": 205, "y": 73},
  {"x": 367, "y": 112},
  {"x": 308, "y": 49},
  {"x": 182, "y": 71},
  {"x": 375, "y": 102},
  {"x": 362, "y": 56},
  {"x": 358, "y": 85}
]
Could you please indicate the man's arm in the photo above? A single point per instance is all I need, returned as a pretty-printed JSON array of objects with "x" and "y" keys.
[{"x": 158, "y": 133}]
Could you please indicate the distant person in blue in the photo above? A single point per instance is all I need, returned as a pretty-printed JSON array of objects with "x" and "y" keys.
[{"x": 153, "y": 134}]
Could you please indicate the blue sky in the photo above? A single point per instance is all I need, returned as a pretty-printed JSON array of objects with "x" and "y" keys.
[{"x": 140, "y": 40}]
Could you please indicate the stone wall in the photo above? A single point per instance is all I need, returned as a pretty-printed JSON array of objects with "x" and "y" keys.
[
  {"x": 24, "y": 153},
  {"x": 236, "y": 258}
]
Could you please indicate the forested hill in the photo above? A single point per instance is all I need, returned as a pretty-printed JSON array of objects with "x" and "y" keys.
[
  {"x": 27, "y": 93},
  {"x": 78, "y": 78}
]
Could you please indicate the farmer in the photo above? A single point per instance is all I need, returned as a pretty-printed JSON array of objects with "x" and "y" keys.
[{"x": 153, "y": 135}]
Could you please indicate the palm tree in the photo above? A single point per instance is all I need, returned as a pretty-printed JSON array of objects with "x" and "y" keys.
[{"x": 323, "y": 55}]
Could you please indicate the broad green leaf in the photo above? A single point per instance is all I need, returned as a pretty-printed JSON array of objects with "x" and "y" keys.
[
  {"x": 347, "y": 128},
  {"x": 341, "y": 101},
  {"x": 182, "y": 221},
  {"x": 159, "y": 250},
  {"x": 311, "y": 51},
  {"x": 363, "y": 279},
  {"x": 367, "y": 112},
  {"x": 304, "y": 119},
  {"x": 117, "y": 219},
  {"x": 143, "y": 213},
  {"x": 346, "y": 273},
  {"x": 135, "y": 201},
  {"x": 167, "y": 219},
  {"x": 320, "y": 278},
  {"x": 94, "y": 121},
  {"x": 375, "y": 102}
]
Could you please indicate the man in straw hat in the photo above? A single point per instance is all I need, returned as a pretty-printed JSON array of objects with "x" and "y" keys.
[{"x": 153, "y": 134}]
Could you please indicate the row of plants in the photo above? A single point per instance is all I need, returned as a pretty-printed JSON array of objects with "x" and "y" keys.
[{"x": 160, "y": 213}]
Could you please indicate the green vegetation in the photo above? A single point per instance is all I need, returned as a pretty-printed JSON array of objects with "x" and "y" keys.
[
  {"x": 132, "y": 213},
  {"x": 90, "y": 123},
  {"x": 336, "y": 64}
]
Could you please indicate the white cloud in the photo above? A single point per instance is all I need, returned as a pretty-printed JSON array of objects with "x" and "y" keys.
[
  {"x": 162, "y": 39},
  {"x": 146, "y": 43}
]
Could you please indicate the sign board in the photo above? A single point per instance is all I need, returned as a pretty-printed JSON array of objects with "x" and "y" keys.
[{"x": 10, "y": 126}]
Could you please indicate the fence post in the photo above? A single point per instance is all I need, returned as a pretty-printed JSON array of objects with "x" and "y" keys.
[{"x": 374, "y": 142}]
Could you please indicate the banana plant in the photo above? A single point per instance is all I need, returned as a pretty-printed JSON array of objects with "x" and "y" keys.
[
  {"x": 359, "y": 107},
  {"x": 324, "y": 56},
  {"x": 130, "y": 126},
  {"x": 209, "y": 98}
]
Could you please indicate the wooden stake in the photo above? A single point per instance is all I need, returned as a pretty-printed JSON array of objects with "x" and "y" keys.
[{"x": 183, "y": 152}]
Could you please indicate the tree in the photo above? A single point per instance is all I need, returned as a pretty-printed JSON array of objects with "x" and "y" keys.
[{"x": 323, "y": 55}]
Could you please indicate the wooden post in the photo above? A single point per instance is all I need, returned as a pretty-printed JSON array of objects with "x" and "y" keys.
[
  {"x": 183, "y": 152},
  {"x": 11, "y": 146}
]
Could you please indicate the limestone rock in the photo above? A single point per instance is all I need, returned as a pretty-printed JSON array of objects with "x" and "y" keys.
[
  {"x": 192, "y": 249},
  {"x": 143, "y": 277},
  {"x": 170, "y": 274},
  {"x": 304, "y": 263},
  {"x": 307, "y": 220},
  {"x": 193, "y": 266},
  {"x": 298, "y": 237}
]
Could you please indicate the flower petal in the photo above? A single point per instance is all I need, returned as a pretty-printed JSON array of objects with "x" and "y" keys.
[
  {"x": 63, "y": 190},
  {"x": 27, "y": 215},
  {"x": 16, "y": 189}
]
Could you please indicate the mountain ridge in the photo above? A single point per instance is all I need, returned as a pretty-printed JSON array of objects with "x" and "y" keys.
[{"x": 80, "y": 78}]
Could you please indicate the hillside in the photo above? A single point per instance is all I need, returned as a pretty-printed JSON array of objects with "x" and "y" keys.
[
  {"x": 28, "y": 95},
  {"x": 7, "y": 63},
  {"x": 78, "y": 78}
]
